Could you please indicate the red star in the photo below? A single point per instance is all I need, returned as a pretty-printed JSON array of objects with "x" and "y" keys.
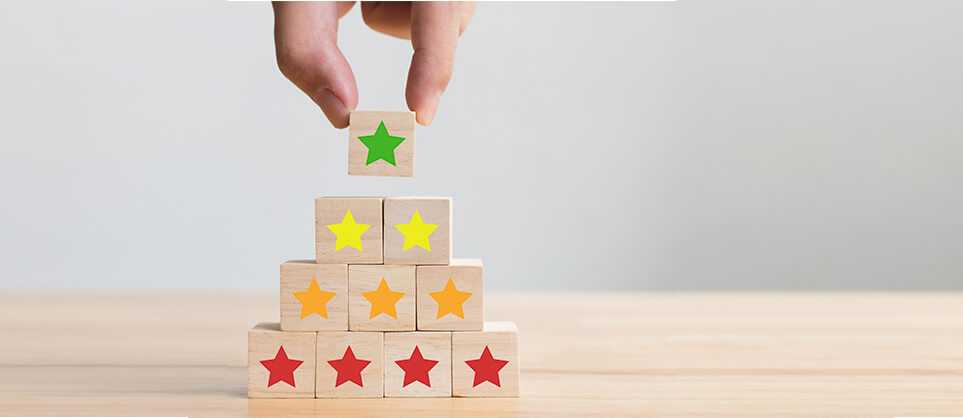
[
  {"x": 416, "y": 368},
  {"x": 486, "y": 368},
  {"x": 281, "y": 368},
  {"x": 349, "y": 368}
]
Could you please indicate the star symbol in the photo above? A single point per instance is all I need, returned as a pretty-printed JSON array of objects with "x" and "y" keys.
[
  {"x": 416, "y": 368},
  {"x": 450, "y": 300},
  {"x": 383, "y": 300},
  {"x": 281, "y": 368},
  {"x": 348, "y": 232},
  {"x": 416, "y": 232},
  {"x": 381, "y": 145},
  {"x": 349, "y": 368},
  {"x": 314, "y": 300},
  {"x": 486, "y": 368}
]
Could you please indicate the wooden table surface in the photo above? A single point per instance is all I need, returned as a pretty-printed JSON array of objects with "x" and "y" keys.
[{"x": 177, "y": 353}]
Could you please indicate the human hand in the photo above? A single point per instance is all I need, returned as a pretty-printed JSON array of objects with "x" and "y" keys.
[{"x": 306, "y": 41}]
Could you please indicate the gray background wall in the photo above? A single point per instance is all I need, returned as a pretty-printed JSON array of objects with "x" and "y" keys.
[{"x": 689, "y": 145}]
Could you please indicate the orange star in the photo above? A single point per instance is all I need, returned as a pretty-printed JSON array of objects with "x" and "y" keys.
[
  {"x": 450, "y": 300},
  {"x": 383, "y": 300}
]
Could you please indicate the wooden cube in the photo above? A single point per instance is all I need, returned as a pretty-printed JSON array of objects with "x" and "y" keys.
[
  {"x": 417, "y": 364},
  {"x": 280, "y": 364},
  {"x": 381, "y": 298},
  {"x": 348, "y": 230},
  {"x": 485, "y": 363},
  {"x": 450, "y": 298},
  {"x": 350, "y": 365},
  {"x": 381, "y": 144},
  {"x": 314, "y": 297},
  {"x": 418, "y": 230}
]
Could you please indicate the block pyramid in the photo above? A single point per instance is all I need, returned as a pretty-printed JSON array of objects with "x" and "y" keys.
[{"x": 382, "y": 311}]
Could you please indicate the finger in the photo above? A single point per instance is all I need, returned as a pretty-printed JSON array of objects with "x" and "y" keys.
[
  {"x": 306, "y": 40},
  {"x": 389, "y": 18},
  {"x": 394, "y": 18},
  {"x": 435, "y": 27}
]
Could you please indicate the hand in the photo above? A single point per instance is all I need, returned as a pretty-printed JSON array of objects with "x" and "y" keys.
[{"x": 306, "y": 38}]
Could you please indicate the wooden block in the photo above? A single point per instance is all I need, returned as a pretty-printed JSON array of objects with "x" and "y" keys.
[
  {"x": 350, "y": 364},
  {"x": 314, "y": 297},
  {"x": 485, "y": 363},
  {"x": 418, "y": 230},
  {"x": 381, "y": 298},
  {"x": 381, "y": 144},
  {"x": 348, "y": 230},
  {"x": 280, "y": 364},
  {"x": 450, "y": 298},
  {"x": 417, "y": 364}
]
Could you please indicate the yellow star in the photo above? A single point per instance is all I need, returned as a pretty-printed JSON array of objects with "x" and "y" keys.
[
  {"x": 348, "y": 232},
  {"x": 450, "y": 300},
  {"x": 416, "y": 232},
  {"x": 383, "y": 300},
  {"x": 314, "y": 300}
]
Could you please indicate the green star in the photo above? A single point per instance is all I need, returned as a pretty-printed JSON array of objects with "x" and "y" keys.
[{"x": 381, "y": 145}]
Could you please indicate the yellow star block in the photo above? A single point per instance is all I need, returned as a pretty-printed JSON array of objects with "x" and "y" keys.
[
  {"x": 416, "y": 232},
  {"x": 348, "y": 232},
  {"x": 383, "y": 300},
  {"x": 450, "y": 300},
  {"x": 314, "y": 300}
]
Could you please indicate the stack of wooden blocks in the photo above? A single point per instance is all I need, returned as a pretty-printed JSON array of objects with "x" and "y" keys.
[{"x": 382, "y": 311}]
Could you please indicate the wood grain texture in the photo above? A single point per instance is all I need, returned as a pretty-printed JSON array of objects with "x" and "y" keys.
[
  {"x": 296, "y": 276},
  {"x": 264, "y": 342},
  {"x": 398, "y": 124},
  {"x": 501, "y": 339},
  {"x": 729, "y": 354},
  {"x": 365, "y": 278},
  {"x": 365, "y": 210},
  {"x": 433, "y": 210},
  {"x": 433, "y": 346},
  {"x": 466, "y": 276},
  {"x": 367, "y": 346}
]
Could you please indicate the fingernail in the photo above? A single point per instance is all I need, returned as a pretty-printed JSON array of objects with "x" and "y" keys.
[{"x": 426, "y": 116}]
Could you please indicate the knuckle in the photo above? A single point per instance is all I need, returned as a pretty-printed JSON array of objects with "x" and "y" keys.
[
  {"x": 440, "y": 67},
  {"x": 294, "y": 62}
]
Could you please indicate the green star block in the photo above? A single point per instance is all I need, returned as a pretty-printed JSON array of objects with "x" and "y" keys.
[{"x": 381, "y": 145}]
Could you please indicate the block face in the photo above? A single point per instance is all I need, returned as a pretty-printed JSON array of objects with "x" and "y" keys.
[
  {"x": 280, "y": 364},
  {"x": 350, "y": 365},
  {"x": 349, "y": 230},
  {"x": 381, "y": 298},
  {"x": 314, "y": 297},
  {"x": 381, "y": 144},
  {"x": 418, "y": 364},
  {"x": 417, "y": 230},
  {"x": 450, "y": 298},
  {"x": 485, "y": 363}
]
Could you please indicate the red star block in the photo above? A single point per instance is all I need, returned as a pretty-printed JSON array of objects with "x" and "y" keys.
[
  {"x": 416, "y": 368},
  {"x": 486, "y": 368},
  {"x": 281, "y": 368},
  {"x": 349, "y": 368}
]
